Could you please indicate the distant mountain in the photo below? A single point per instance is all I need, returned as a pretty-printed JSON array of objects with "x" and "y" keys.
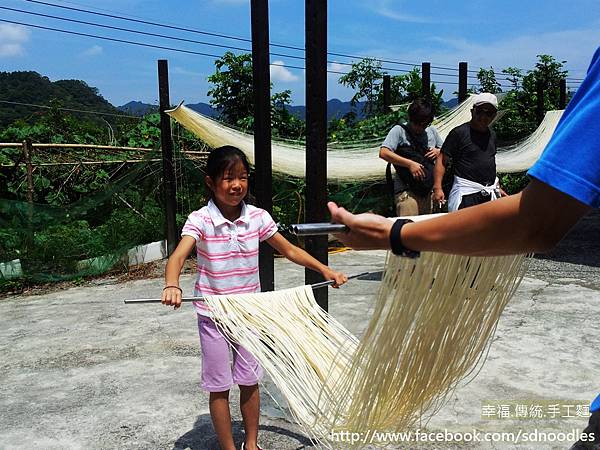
[
  {"x": 335, "y": 109},
  {"x": 32, "y": 88},
  {"x": 451, "y": 103},
  {"x": 138, "y": 108},
  {"x": 204, "y": 108}
]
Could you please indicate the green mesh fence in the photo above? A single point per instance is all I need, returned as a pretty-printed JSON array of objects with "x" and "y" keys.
[{"x": 93, "y": 224}]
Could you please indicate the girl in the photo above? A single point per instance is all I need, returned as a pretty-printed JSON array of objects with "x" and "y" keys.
[{"x": 226, "y": 234}]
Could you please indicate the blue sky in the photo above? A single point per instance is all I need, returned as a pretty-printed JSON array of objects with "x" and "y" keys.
[{"x": 483, "y": 33}]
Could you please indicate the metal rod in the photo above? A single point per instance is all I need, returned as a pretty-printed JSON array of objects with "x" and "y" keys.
[
  {"x": 317, "y": 229},
  {"x": 201, "y": 299}
]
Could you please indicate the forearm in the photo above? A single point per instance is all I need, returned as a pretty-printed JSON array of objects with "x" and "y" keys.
[
  {"x": 438, "y": 172},
  {"x": 480, "y": 230},
  {"x": 303, "y": 258},
  {"x": 532, "y": 221},
  {"x": 173, "y": 270},
  {"x": 389, "y": 156}
]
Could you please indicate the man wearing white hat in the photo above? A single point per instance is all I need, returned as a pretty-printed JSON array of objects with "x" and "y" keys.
[{"x": 472, "y": 149}]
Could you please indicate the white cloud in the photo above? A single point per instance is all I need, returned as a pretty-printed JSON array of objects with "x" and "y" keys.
[
  {"x": 94, "y": 50},
  {"x": 393, "y": 10},
  {"x": 183, "y": 71},
  {"x": 574, "y": 46},
  {"x": 337, "y": 67},
  {"x": 280, "y": 73},
  {"x": 12, "y": 38}
]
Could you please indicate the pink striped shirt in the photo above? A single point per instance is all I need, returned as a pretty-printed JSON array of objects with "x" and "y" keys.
[{"x": 227, "y": 252}]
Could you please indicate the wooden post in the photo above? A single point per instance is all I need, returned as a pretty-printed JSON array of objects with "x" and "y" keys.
[
  {"x": 167, "y": 156},
  {"x": 386, "y": 93},
  {"x": 316, "y": 135},
  {"x": 462, "y": 82},
  {"x": 27, "y": 153},
  {"x": 562, "y": 101},
  {"x": 426, "y": 80},
  {"x": 262, "y": 130},
  {"x": 540, "y": 101},
  {"x": 29, "y": 240}
]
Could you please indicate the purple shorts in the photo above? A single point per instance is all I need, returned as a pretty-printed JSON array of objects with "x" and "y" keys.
[{"x": 218, "y": 373}]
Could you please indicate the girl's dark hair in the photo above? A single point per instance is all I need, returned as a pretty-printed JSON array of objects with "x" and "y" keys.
[{"x": 223, "y": 158}]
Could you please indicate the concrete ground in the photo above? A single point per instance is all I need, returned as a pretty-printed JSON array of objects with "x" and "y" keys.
[{"x": 81, "y": 370}]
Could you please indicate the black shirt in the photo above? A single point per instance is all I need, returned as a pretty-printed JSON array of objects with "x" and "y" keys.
[{"x": 473, "y": 153}]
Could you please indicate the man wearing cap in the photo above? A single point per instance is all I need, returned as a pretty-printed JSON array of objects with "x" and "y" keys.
[{"x": 472, "y": 149}]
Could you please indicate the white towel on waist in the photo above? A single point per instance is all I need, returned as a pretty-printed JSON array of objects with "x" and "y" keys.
[{"x": 462, "y": 186}]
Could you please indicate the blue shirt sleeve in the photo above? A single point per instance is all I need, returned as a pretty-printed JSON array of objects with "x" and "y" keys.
[{"x": 571, "y": 160}]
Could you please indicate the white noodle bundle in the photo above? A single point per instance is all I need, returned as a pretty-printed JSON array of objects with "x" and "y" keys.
[
  {"x": 360, "y": 161},
  {"x": 432, "y": 322},
  {"x": 300, "y": 346}
]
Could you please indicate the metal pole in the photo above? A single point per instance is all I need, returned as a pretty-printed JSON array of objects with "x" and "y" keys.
[
  {"x": 167, "y": 156},
  {"x": 562, "y": 101},
  {"x": 426, "y": 80},
  {"x": 462, "y": 81},
  {"x": 386, "y": 93},
  {"x": 262, "y": 129},
  {"x": 316, "y": 134}
]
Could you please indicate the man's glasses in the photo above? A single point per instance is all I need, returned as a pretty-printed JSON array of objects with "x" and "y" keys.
[{"x": 486, "y": 112}]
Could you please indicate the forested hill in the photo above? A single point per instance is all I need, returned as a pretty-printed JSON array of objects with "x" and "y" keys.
[{"x": 33, "y": 88}]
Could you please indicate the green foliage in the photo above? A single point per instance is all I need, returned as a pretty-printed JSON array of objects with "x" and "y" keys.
[
  {"x": 513, "y": 183},
  {"x": 232, "y": 93},
  {"x": 365, "y": 78},
  {"x": 487, "y": 81},
  {"x": 233, "y": 96},
  {"x": 520, "y": 103},
  {"x": 145, "y": 133},
  {"x": 409, "y": 86},
  {"x": 341, "y": 130}
]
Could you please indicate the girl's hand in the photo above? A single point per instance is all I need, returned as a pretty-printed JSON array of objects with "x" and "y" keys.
[
  {"x": 171, "y": 296},
  {"x": 338, "y": 277}
]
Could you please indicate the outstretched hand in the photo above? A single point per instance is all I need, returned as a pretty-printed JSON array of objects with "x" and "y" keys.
[
  {"x": 367, "y": 231},
  {"x": 338, "y": 278}
]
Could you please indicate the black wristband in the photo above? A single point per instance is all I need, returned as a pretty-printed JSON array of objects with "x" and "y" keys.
[
  {"x": 173, "y": 287},
  {"x": 396, "y": 240}
]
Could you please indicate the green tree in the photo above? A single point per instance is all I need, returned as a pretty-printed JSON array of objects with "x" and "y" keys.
[
  {"x": 233, "y": 96},
  {"x": 515, "y": 76},
  {"x": 520, "y": 103},
  {"x": 365, "y": 78},
  {"x": 232, "y": 93},
  {"x": 487, "y": 81},
  {"x": 409, "y": 86}
]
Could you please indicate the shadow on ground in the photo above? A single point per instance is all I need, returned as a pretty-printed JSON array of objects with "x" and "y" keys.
[
  {"x": 581, "y": 245},
  {"x": 203, "y": 437}
]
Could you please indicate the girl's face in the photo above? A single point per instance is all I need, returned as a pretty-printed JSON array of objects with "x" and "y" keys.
[{"x": 231, "y": 188}]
